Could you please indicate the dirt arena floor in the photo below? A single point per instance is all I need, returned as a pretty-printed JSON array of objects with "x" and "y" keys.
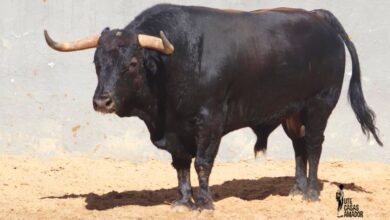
[{"x": 81, "y": 188}]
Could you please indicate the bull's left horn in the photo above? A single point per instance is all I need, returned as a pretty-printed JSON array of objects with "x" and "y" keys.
[
  {"x": 82, "y": 44},
  {"x": 161, "y": 43}
]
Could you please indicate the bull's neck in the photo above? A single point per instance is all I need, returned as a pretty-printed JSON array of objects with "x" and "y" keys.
[{"x": 151, "y": 112}]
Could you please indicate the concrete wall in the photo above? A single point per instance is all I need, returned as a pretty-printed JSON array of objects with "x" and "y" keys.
[{"x": 46, "y": 96}]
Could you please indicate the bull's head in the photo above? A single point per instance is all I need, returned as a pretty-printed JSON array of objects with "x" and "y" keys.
[{"x": 120, "y": 66}]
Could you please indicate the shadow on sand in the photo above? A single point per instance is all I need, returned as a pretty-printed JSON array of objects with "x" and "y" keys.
[{"x": 244, "y": 189}]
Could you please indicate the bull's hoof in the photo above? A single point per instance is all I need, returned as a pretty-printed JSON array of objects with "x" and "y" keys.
[
  {"x": 296, "y": 191},
  {"x": 204, "y": 204},
  {"x": 312, "y": 195},
  {"x": 204, "y": 214},
  {"x": 182, "y": 206}
]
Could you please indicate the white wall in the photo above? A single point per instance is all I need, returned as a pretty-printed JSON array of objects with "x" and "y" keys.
[{"x": 44, "y": 94}]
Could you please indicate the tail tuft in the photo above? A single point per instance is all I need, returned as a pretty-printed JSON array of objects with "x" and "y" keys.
[{"x": 364, "y": 114}]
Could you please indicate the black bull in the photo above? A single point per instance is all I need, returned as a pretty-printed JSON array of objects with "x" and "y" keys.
[{"x": 216, "y": 71}]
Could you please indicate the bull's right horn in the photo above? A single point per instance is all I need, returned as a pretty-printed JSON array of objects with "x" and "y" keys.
[
  {"x": 82, "y": 44},
  {"x": 161, "y": 43}
]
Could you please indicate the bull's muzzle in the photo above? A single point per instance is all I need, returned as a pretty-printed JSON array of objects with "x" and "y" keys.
[{"x": 104, "y": 103}]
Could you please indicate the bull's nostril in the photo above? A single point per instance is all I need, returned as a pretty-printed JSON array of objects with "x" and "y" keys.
[{"x": 108, "y": 102}]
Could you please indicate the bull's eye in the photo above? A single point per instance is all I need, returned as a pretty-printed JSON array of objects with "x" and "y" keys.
[{"x": 133, "y": 64}]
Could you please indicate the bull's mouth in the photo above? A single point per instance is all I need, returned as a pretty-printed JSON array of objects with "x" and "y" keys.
[
  {"x": 110, "y": 111},
  {"x": 106, "y": 111}
]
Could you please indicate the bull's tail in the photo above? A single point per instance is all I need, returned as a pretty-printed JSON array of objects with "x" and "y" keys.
[{"x": 364, "y": 114}]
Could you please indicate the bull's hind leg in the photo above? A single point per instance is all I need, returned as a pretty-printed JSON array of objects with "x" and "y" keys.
[
  {"x": 295, "y": 130},
  {"x": 182, "y": 167},
  {"x": 315, "y": 117}
]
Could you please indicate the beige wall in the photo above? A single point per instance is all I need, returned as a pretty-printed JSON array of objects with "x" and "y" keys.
[{"x": 46, "y": 96}]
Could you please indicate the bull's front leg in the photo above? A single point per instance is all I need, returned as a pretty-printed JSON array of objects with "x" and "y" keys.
[
  {"x": 182, "y": 167},
  {"x": 207, "y": 140}
]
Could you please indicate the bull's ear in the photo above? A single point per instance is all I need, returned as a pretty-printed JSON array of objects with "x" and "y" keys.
[{"x": 105, "y": 30}]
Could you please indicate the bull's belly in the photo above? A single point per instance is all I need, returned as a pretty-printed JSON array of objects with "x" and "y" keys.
[
  {"x": 241, "y": 115},
  {"x": 273, "y": 100}
]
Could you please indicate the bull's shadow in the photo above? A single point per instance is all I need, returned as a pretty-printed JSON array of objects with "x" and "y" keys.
[{"x": 244, "y": 189}]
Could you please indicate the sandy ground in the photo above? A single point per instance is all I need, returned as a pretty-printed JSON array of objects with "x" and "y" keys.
[{"x": 81, "y": 188}]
